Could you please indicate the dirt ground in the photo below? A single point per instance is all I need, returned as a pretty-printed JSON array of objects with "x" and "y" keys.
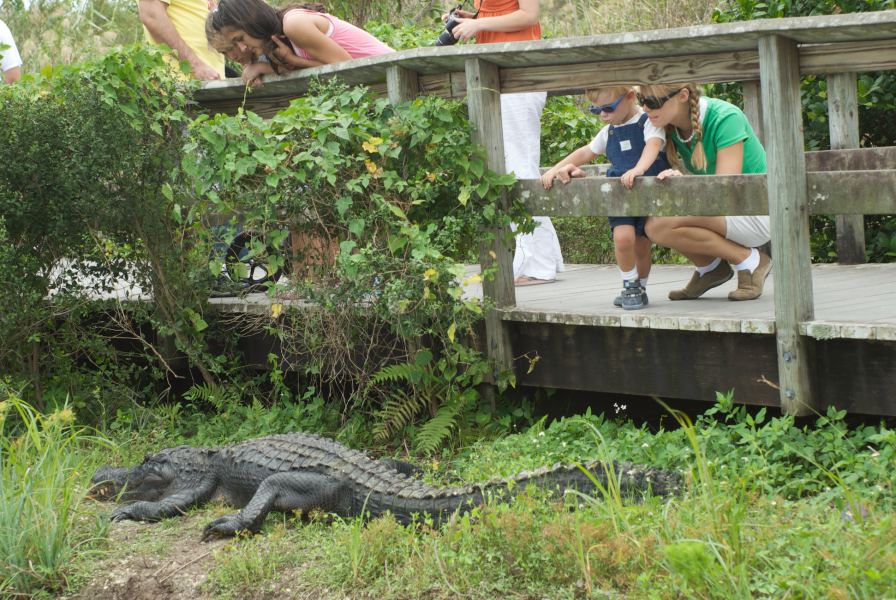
[
  {"x": 167, "y": 561},
  {"x": 152, "y": 571}
]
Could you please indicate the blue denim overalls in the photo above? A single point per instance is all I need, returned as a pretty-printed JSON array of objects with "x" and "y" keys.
[{"x": 625, "y": 144}]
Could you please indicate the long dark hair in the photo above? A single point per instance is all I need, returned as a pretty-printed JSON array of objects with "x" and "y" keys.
[{"x": 256, "y": 17}]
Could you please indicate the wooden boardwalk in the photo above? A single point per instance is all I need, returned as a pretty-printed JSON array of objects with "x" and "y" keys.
[
  {"x": 824, "y": 335},
  {"x": 855, "y": 302},
  {"x": 689, "y": 349},
  {"x": 851, "y": 302}
]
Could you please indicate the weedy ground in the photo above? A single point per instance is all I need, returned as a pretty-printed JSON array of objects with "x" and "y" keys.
[{"x": 772, "y": 510}]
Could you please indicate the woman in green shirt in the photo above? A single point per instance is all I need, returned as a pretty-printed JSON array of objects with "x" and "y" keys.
[{"x": 708, "y": 136}]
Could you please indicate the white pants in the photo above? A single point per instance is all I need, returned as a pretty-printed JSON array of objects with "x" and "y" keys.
[{"x": 538, "y": 253}]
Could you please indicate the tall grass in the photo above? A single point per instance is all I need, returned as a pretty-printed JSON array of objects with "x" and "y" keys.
[
  {"x": 41, "y": 468},
  {"x": 57, "y": 32},
  {"x": 562, "y": 18}
]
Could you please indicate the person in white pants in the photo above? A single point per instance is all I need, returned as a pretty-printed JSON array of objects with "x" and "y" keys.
[{"x": 537, "y": 258}]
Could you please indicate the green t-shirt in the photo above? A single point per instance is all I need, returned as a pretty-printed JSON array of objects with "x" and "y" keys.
[{"x": 723, "y": 125}]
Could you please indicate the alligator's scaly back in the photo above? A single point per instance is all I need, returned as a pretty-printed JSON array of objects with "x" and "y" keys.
[{"x": 304, "y": 472}]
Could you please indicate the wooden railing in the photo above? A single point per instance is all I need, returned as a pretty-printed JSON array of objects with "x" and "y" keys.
[{"x": 769, "y": 56}]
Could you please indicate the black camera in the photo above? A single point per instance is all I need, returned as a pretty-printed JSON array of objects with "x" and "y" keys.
[{"x": 446, "y": 38}]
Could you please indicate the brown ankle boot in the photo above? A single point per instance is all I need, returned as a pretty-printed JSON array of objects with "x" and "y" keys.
[
  {"x": 749, "y": 285},
  {"x": 699, "y": 285}
]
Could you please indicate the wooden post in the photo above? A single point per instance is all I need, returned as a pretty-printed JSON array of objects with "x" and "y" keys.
[
  {"x": 402, "y": 84},
  {"x": 789, "y": 212},
  {"x": 484, "y": 108},
  {"x": 843, "y": 120},
  {"x": 753, "y": 106}
]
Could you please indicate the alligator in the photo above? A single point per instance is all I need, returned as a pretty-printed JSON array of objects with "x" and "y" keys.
[{"x": 303, "y": 472}]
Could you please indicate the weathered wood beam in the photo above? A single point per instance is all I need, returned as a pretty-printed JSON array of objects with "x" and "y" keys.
[
  {"x": 402, "y": 84},
  {"x": 834, "y": 192},
  {"x": 852, "y": 159},
  {"x": 484, "y": 108},
  {"x": 789, "y": 212},
  {"x": 753, "y": 106},
  {"x": 852, "y": 192},
  {"x": 843, "y": 122}
]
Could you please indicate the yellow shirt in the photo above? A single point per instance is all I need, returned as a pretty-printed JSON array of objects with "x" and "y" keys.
[{"x": 188, "y": 18}]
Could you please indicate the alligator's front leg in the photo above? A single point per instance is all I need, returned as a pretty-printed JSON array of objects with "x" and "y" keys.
[
  {"x": 169, "y": 506},
  {"x": 284, "y": 492}
]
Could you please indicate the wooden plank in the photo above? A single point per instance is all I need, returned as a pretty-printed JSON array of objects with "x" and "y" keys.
[
  {"x": 446, "y": 85},
  {"x": 852, "y": 192},
  {"x": 402, "y": 84},
  {"x": 835, "y": 192},
  {"x": 789, "y": 212},
  {"x": 712, "y": 67},
  {"x": 576, "y": 78},
  {"x": 852, "y": 159},
  {"x": 849, "y": 57},
  {"x": 647, "y": 361},
  {"x": 484, "y": 108},
  {"x": 843, "y": 123},
  {"x": 753, "y": 106}
]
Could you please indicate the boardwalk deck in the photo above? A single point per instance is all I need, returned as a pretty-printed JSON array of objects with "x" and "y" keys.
[
  {"x": 851, "y": 302},
  {"x": 693, "y": 349}
]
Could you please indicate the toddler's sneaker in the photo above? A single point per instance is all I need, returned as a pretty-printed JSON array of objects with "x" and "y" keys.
[{"x": 633, "y": 296}]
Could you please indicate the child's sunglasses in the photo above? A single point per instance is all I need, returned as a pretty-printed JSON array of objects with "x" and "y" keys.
[
  {"x": 655, "y": 102},
  {"x": 596, "y": 110}
]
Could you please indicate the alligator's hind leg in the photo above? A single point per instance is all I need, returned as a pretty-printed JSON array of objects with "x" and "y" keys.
[{"x": 283, "y": 492}]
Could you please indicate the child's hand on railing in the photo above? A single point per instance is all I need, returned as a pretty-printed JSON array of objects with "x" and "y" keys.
[
  {"x": 628, "y": 178},
  {"x": 669, "y": 173},
  {"x": 564, "y": 173}
]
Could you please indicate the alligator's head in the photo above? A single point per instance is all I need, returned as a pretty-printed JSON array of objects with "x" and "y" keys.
[{"x": 151, "y": 479}]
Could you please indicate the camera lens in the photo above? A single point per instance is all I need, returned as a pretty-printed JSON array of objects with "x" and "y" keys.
[{"x": 446, "y": 38}]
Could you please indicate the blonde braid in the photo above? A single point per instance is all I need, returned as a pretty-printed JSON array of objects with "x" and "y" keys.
[
  {"x": 698, "y": 158},
  {"x": 671, "y": 151}
]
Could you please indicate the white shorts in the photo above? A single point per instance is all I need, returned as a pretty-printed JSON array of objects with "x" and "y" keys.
[{"x": 749, "y": 232}]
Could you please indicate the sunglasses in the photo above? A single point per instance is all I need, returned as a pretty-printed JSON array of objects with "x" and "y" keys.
[
  {"x": 596, "y": 110},
  {"x": 656, "y": 102}
]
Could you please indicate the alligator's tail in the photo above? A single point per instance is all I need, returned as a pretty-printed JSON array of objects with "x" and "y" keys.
[{"x": 419, "y": 501}]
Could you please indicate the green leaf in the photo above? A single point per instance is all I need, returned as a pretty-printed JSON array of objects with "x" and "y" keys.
[{"x": 356, "y": 226}]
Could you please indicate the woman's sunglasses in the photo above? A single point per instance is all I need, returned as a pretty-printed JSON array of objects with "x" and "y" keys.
[
  {"x": 656, "y": 102},
  {"x": 596, "y": 110}
]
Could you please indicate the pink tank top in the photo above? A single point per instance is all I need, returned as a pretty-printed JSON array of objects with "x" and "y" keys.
[{"x": 357, "y": 42}]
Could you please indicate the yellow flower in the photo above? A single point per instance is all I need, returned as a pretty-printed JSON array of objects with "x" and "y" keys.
[
  {"x": 64, "y": 417},
  {"x": 372, "y": 145}
]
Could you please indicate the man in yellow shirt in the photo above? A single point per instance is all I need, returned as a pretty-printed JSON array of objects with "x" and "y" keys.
[{"x": 180, "y": 24}]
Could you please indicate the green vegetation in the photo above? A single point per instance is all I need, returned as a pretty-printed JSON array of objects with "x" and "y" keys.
[
  {"x": 43, "y": 464},
  {"x": 771, "y": 509}
]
